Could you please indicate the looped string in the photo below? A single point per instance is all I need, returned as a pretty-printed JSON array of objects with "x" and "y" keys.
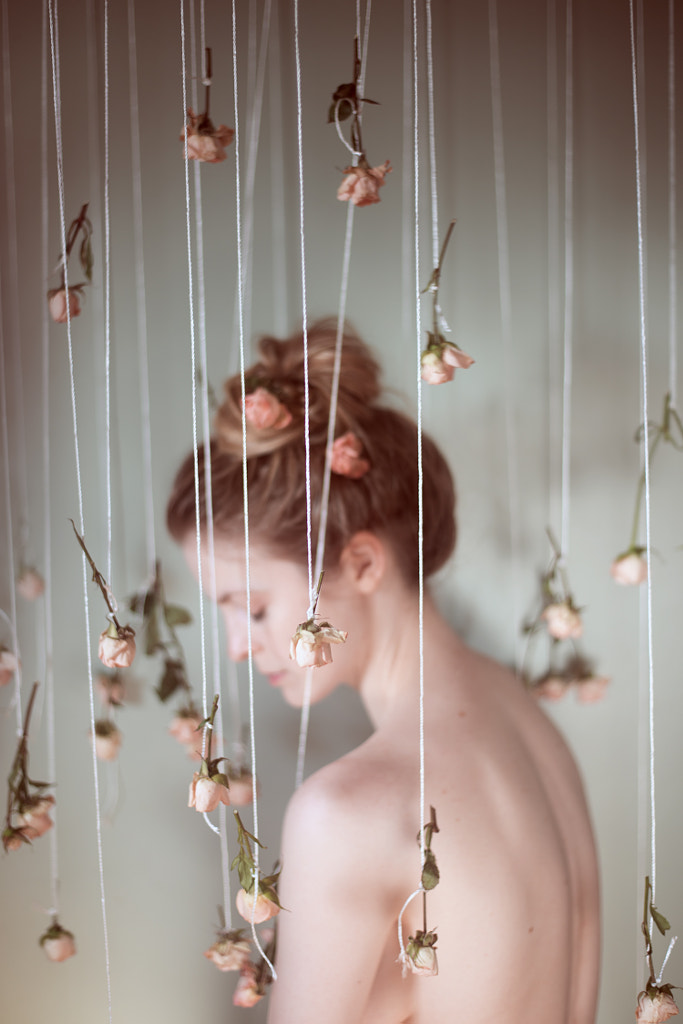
[
  {"x": 400, "y": 918},
  {"x": 673, "y": 942},
  {"x": 354, "y": 153},
  {"x": 252, "y": 922}
]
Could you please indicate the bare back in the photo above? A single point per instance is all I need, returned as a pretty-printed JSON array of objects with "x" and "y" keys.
[{"x": 516, "y": 910}]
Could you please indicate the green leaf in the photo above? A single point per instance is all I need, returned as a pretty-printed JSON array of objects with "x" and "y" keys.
[
  {"x": 176, "y": 616},
  {"x": 152, "y": 638},
  {"x": 430, "y": 871},
  {"x": 173, "y": 679},
  {"x": 659, "y": 919},
  {"x": 87, "y": 257}
]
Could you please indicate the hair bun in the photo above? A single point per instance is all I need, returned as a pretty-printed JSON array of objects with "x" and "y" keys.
[{"x": 281, "y": 371}]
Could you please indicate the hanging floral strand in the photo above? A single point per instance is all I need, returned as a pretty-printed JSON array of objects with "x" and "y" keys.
[
  {"x": 655, "y": 1002},
  {"x": 205, "y": 142},
  {"x": 630, "y": 567},
  {"x": 209, "y": 786},
  {"x": 28, "y": 807},
  {"x": 362, "y": 182},
  {"x": 419, "y": 955},
  {"x": 257, "y": 900},
  {"x": 65, "y": 306},
  {"x": 441, "y": 358},
  {"x": 310, "y": 645}
]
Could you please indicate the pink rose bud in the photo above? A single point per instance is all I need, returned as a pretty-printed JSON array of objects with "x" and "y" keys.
[
  {"x": 110, "y": 690},
  {"x": 33, "y": 825},
  {"x": 108, "y": 740},
  {"x": 58, "y": 308},
  {"x": 229, "y": 953},
  {"x": 591, "y": 689},
  {"x": 13, "y": 839},
  {"x": 362, "y": 184},
  {"x": 550, "y": 687},
  {"x": 9, "y": 663},
  {"x": 30, "y": 584},
  {"x": 346, "y": 457},
  {"x": 655, "y": 1005},
  {"x": 263, "y": 911},
  {"x": 266, "y": 412},
  {"x": 562, "y": 621},
  {"x": 419, "y": 956},
  {"x": 58, "y": 944},
  {"x": 117, "y": 647},
  {"x": 247, "y": 991},
  {"x": 434, "y": 370},
  {"x": 207, "y": 793},
  {"x": 185, "y": 728},
  {"x": 454, "y": 356},
  {"x": 310, "y": 645},
  {"x": 629, "y": 569},
  {"x": 208, "y": 146},
  {"x": 241, "y": 788}
]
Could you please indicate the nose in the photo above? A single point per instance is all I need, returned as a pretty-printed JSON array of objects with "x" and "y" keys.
[{"x": 238, "y": 636}]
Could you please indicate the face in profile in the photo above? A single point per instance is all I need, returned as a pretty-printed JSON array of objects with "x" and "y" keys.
[{"x": 278, "y": 603}]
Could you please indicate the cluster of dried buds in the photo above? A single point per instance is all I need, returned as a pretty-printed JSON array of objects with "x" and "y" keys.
[
  {"x": 205, "y": 142},
  {"x": 65, "y": 303},
  {"x": 310, "y": 646},
  {"x": 232, "y": 952},
  {"x": 28, "y": 805},
  {"x": 577, "y": 676},
  {"x": 419, "y": 955},
  {"x": 441, "y": 358}
]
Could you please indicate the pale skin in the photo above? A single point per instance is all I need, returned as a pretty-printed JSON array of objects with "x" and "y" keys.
[{"x": 516, "y": 910}]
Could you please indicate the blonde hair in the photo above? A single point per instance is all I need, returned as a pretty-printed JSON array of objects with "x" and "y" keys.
[{"x": 383, "y": 501}]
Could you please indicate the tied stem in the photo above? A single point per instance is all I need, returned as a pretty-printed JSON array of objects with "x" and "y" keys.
[{"x": 98, "y": 578}]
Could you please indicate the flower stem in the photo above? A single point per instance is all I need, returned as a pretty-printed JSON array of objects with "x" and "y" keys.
[
  {"x": 436, "y": 280},
  {"x": 640, "y": 489},
  {"x": 646, "y": 931},
  {"x": 97, "y": 576},
  {"x": 207, "y": 80}
]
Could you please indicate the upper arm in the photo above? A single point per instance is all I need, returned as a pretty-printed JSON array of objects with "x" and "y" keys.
[{"x": 339, "y": 888}]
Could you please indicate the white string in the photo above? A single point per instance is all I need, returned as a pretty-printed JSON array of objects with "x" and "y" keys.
[
  {"x": 141, "y": 300},
  {"x": 202, "y": 41},
  {"x": 107, "y": 296},
  {"x": 505, "y": 313},
  {"x": 47, "y": 530},
  {"x": 15, "y": 339},
  {"x": 673, "y": 238},
  {"x": 12, "y": 618},
  {"x": 307, "y": 431},
  {"x": 245, "y": 492},
  {"x": 53, "y": 10},
  {"x": 400, "y": 919},
  {"x": 669, "y": 951},
  {"x": 354, "y": 153},
  {"x": 432, "y": 138},
  {"x": 646, "y": 443},
  {"x": 568, "y": 326},
  {"x": 420, "y": 478},
  {"x": 277, "y": 187},
  {"x": 553, "y": 257},
  {"x": 406, "y": 191}
]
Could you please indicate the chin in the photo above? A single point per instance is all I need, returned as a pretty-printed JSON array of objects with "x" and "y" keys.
[{"x": 293, "y": 692}]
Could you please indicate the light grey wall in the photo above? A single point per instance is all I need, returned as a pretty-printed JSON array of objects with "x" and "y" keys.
[{"x": 161, "y": 864}]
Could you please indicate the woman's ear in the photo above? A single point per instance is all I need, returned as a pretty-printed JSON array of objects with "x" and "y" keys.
[{"x": 364, "y": 561}]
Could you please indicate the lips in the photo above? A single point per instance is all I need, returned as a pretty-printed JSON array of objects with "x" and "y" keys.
[{"x": 274, "y": 678}]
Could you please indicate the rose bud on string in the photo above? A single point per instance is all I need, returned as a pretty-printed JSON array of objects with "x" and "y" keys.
[
  {"x": 9, "y": 663},
  {"x": 257, "y": 900},
  {"x": 310, "y": 645},
  {"x": 209, "y": 786},
  {"x": 241, "y": 786},
  {"x": 58, "y": 943},
  {"x": 248, "y": 991},
  {"x": 30, "y": 584},
  {"x": 111, "y": 690},
  {"x": 27, "y": 815},
  {"x": 433, "y": 369},
  {"x": 630, "y": 569},
  {"x": 57, "y": 304},
  {"x": 419, "y": 956},
  {"x": 347, "y": 458},
  {"x": 655, "y": 1004},
  {"x": 64, "y": 303},
  {"x": 13, "y": 839},
  {"x": 362, "y": 183},
  {"x": 591, "y": 689},
  {"x": 562, "y": 621},
  {"x": 186, "y": 728},
  {"x": 264, "y": 411},
  {"x": 230, "y": 952},
  {"x": 257, "y": 908},
  {"x": 34, "y": 819},
  {"x": 204, "y": 142},
  {"x": 550, "y": 687},
  {"x": 108, "y": 740}
]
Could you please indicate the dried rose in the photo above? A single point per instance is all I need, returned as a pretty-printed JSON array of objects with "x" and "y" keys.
[
  {"x": 655, "y": 1005},
  {"x": 455, "y": 357},
  {"x": 362, "y": 184},
  {"x": 14, "y": 839},
  {"x": 58, "y": 307},
  {"x": 110, "y": 690},
  {"x": 58, "y": 943},
  {"x": 9, "y": 663},
  {"x": 562, "y": 620},
  {"x": 264, "y": 909},
  {"x": 434, "y": 369},
  {"x": 108, "y": 740},
  {"x": 591, "y": 688},
  {"x": 30, "y": 584},
  {"x": 230, "y": 952},
  {"x": 310, "y": 645},
  {"x": 185, "y": 727},
  {"x": 266, "y": 412},
  {"x": 419, "y": 956},
  {"x": 630, "y": 569},
  {"x": 204, "y": 142},
  {"x": 346, "y": 457},
  {"x": 33, "y": 825},
  {"x": 247, "y": 991},
  {"x": 207, "y": 792},
  {"x": 550, "y": 687},
  {"x": 241, "y": 787},
  {"x": 117, "y": 647}
]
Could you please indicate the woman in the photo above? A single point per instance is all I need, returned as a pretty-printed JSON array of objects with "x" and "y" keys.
[{"x": 516, "y": 910}]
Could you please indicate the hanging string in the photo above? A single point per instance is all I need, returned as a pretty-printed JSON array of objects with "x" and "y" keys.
[
  {"x": 553, "y": 255},
  {"x": 141, "y": 299},
  {"x": 47, "y": 530},
  {"x": 406, "y": 183},
  {"x": 107, "y": 297},
  {"x": 432, "y": 138},
  {"x": 277, "y": 186},
  {"x": 245, "y": 491},
  {"x": 673, "y": 238},
  {"x": 12, "y": 618},
  {"x": 505, "y": 312},
  {"x": 307, "y": 430},
  {"x": 13, "y": 252},
  {"x": 568, "y": 326},
  {"x": 53, "y": 10},
  {"x": 646, "y": 444}
]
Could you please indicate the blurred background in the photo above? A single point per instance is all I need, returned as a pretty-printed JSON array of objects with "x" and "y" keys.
[{"x": 499, "y": 423}]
